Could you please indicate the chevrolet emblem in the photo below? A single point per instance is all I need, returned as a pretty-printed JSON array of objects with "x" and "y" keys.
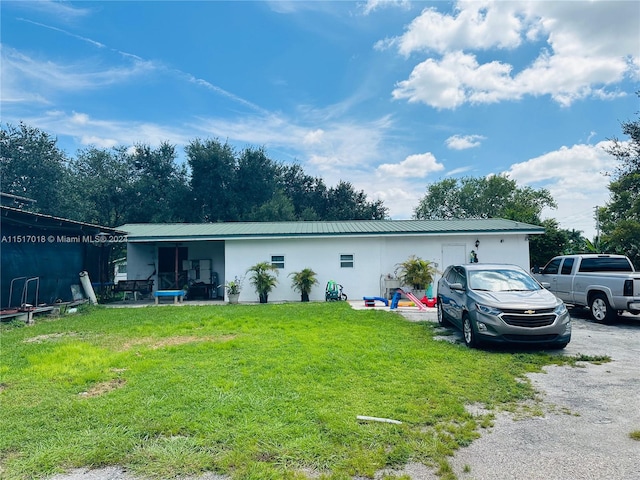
[{"x": 530, "y": 312}]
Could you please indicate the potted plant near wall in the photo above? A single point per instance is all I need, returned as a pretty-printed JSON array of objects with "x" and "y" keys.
[
  {"x": 302, "y": 282},
  {"x": 263, "y": 276},
  {"x": 233, "y": 288},
  {"x": 416, "y": 272}
]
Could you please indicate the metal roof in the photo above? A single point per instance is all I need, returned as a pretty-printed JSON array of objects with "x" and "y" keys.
[
  {"x": 172, "y": 232},
  {"x": 29, "y": 219}
]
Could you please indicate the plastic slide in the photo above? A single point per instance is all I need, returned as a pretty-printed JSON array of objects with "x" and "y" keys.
[{"x": 410, "y": 296}]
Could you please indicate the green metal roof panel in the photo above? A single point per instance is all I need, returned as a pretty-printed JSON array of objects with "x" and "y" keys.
[{"x": 141, "y": 232}]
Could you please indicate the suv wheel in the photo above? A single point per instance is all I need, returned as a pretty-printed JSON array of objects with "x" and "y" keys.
[
  {"x": 468, "y": 332},
  {"x": 442, "y": 321}
]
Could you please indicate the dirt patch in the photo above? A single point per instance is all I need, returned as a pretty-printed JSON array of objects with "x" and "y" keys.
[
  {"x": 49, "y": 337},
  {"x": 103, "y": 387},
  {"x": 155, "y": 343}
]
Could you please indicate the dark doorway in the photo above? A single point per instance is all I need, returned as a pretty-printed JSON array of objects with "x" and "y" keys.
[{"x": 171, "y": 276}]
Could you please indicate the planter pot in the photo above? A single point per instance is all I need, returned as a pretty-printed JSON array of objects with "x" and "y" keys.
[
  {"x": 233, "y": 297},
  {"x": 304, "y": 297},
  {"x": 264, "y": 297}
]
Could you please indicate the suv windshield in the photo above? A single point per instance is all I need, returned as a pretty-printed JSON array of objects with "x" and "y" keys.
[{"x": 501, "y": 281}]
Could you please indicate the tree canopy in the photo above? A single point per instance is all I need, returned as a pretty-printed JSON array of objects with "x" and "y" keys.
[
  {"x": 139, "y": 184},
  {"x": 32, "y": 166},
  {"x": 495, "y": 196},
  {"x": 620, "y": 218}
]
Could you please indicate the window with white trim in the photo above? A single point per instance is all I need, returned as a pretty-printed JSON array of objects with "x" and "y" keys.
[
  {"x": 277, "y": 261},
  {"x": 346, "y": 260}
]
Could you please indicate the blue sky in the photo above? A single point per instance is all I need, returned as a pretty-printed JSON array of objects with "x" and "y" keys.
[{"x": 388, "y": 95}]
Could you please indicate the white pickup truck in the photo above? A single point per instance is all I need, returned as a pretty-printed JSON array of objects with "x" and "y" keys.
[{"x": 607, "y": 284}]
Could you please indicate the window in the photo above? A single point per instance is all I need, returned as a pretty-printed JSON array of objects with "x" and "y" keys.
[
  {"x": 552, "y": 267},
  {"x": 605, "y": 264},
  {"x": 277, "y": 261},
  {"x": 567, "y": 266},
  {"x": 346, "y": 261}
]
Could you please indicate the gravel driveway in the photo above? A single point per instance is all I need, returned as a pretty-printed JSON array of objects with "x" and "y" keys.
[{"x": 589, "y": 412}]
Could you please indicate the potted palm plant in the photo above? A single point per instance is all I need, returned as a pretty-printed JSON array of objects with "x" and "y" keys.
[
  {"x": 302, "y": 282},
  {"x": 233, "y": 288},
  {"x": 416, "y": 272},
  {"x": 263, "y": 277}
]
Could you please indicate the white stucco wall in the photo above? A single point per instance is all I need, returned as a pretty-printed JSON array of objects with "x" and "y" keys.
[
  {"x": 374, "y": 257},
  {"x": 142, "y": 260}
]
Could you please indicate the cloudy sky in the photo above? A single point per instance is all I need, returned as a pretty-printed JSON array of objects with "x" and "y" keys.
[{"x": 388, "y": 95}]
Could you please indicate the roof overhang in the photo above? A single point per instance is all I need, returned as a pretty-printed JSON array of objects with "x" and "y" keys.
[{"x": 179, "y": 233}]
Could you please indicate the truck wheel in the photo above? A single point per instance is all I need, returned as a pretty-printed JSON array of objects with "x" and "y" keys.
[{"x": 600, "y": 309}]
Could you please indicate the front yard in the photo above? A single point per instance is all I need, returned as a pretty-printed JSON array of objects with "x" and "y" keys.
[{"x": 251, "y": 391}]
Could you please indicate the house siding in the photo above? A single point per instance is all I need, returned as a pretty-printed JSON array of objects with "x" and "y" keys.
[{"x": 375, "y": 255}]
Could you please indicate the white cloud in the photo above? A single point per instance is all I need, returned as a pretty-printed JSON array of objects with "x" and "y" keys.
[
  {"x": 106, "y": 134},
  {"x": 459, "y": 170},
  {"x": 371, "y": 6},
  {"x": 313, "y": 137},
  {"x": 476, "y": 24},
  {"x": 575, "y": 177},
  {"x": 414, "y": 166},
  {"x": 580, "y": 58},
  {"x": 336, "y": 147},
  {"x": 61, "y": 11},
  {"x": 22, "y": 73},
  {"x": 463, "y": 142}
]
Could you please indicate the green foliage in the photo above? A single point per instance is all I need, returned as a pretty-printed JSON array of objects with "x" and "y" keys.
[
  {"x": 303, "y": 281},
  {"x": 495, "y": 196},
  {"x": 105, "y": 178},
  {"x": 277, "y": 209},
  {"x": 159, "y": 185},
  {"x": 620, "y": 218},
  {"x": 234, "y": 286},
  {"x": 243, "y": 391},
  {"x": 141, "y": 184},
  {"x": 416, "y": 272},
  {"x": 543, "y": 248},
  {"x": 212, "y": 180},
  {"x": 344, "y": 203},
  {"x": 32, "y": 166},
  {"x": 264, "y": 277}
]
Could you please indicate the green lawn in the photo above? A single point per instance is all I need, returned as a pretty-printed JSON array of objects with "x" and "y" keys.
[{"x": 252, "y": 391}]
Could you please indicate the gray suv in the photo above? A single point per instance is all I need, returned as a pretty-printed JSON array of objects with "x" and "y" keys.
[{"x": 501, "y": 304}]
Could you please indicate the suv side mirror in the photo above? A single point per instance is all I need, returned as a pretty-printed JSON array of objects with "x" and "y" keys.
[{"x": 456, "y": 286}]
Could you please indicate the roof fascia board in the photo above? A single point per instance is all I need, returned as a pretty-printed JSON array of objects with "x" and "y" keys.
[{"x": 191, "y": 238}]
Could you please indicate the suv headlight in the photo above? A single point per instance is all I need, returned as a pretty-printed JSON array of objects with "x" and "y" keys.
[
  {"x": 488, "y": 310},
  {"x": 560, "y": 309}
]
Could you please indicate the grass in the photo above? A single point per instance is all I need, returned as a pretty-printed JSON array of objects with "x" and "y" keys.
[{"x": 252, "y": 391}]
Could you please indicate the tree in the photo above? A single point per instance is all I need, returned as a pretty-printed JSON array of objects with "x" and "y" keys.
[
  {"x": 159, "y": 187},
  {"x": 344, "y": 203},
  {"x": 32, "y": 166},
  {"x": 543, "y": 248},
  {"x": 620, "y": 218},
  {"x": 278, "y": 209},
  {"x": 307, "y": 194},
  {"x": 105, "y": 180},
  {"x": 213, "y": 168},
  {"x": 495, "y": 196}
]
